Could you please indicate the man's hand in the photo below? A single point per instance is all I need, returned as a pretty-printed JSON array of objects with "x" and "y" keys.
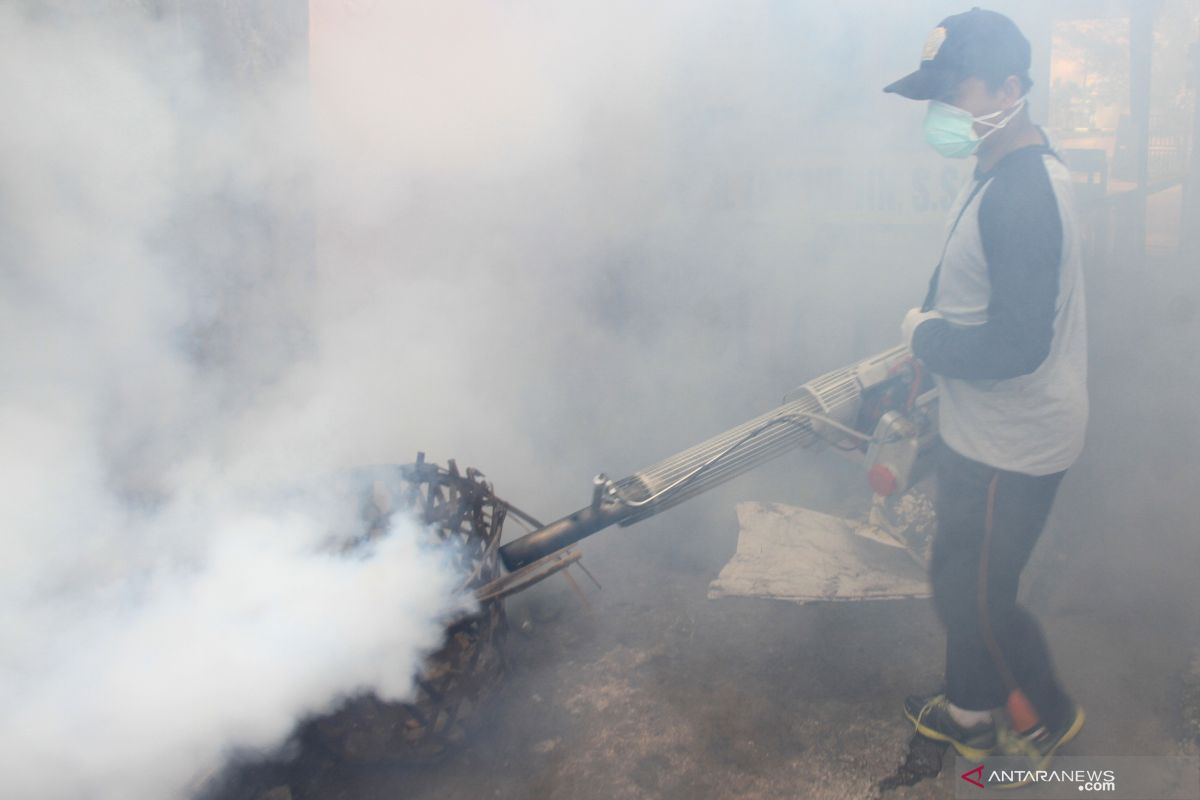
[{"x": 912, "y": 319}]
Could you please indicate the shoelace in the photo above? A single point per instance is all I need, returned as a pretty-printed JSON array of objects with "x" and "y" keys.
[{"x": 938, "y": 702}]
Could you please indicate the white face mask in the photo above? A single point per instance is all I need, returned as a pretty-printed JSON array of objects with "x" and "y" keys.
[{"x": 951, "y": 131}]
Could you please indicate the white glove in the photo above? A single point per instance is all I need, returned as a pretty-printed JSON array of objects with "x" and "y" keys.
[{"x": 912, "y": 319}]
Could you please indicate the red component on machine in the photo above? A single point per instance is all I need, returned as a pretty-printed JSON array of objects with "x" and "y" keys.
[{"x": 882, "y": 480}]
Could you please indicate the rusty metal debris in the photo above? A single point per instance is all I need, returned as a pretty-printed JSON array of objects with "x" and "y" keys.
[
  {"x": 527, "y": 576},
  {"x": 456, "y": 680},
  {"x": 461, "y": 510}
]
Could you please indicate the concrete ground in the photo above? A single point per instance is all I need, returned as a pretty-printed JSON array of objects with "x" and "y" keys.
[{"x": 654, "y": 691}]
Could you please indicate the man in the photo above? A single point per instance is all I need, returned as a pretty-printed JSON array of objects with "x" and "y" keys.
[{"x": 1002, "y": 329}]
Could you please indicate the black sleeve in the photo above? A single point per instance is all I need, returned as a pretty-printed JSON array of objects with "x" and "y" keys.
[{"x": 1021, "y": 231}]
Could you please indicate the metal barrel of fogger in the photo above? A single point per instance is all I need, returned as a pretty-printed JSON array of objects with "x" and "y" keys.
[{"x": 823, "y": 405}]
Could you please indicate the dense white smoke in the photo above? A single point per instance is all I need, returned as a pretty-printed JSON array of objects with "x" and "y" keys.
[
  {"x": 529, "y": 220},
  {"x": 160, "y": 602},
  {"x": 550, "y": 239}
]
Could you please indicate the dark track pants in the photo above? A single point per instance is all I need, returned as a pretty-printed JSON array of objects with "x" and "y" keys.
[{"x": 988, "y": 521}]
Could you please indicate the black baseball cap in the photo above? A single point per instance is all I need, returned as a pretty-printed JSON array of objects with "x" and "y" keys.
[{"x": 974, "y": 44}]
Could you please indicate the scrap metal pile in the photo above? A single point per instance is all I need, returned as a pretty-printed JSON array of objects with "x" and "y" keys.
[{"x": 462, "y": 511}]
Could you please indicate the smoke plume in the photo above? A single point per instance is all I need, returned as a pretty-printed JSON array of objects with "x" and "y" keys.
[{"x": 171, "y": 590}]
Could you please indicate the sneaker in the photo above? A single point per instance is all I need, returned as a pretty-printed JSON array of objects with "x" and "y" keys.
[
  {"x": 1040, "y": 746},
  {"x": 930, "y": 714}
]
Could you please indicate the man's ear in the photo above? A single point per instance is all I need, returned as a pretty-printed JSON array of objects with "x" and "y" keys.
[{"x": 1013, "y": 89}]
